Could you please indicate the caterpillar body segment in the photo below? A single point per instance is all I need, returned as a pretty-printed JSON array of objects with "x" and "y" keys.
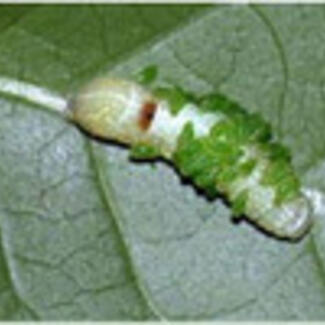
[{"x": 211, "y": 140}]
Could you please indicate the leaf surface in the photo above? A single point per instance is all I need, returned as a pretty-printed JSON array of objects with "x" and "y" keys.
[{"x": 86, "y": 234}]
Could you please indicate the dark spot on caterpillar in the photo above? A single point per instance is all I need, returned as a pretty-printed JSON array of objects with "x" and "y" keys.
[{"x": 147, "y": 114}]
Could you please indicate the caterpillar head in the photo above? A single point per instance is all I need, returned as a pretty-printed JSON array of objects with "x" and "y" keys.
[{"x": 114, "y": 109}]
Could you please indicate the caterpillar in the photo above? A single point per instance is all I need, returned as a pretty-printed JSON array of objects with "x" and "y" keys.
[{"x": 211, "y": 140}]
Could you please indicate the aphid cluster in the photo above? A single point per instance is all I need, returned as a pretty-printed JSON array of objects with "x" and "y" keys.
[{"x": 210, "y": 139}]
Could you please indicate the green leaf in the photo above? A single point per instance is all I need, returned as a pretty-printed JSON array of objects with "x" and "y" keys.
[{"x": 85, "y": 234}]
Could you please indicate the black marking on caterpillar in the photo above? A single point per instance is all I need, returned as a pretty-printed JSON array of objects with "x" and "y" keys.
[{"x": 147, "y": 114}]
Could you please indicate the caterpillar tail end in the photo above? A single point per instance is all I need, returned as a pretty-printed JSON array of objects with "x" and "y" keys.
[
  {"x": 292, "y": 221},
  {"x": 301, "y": 224}
]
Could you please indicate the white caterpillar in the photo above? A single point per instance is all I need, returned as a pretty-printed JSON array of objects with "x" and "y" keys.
[{"x": 211, "y": 140}]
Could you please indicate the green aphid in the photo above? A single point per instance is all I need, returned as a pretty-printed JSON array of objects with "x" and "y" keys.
[
  {"x": 148, "y": 75},
  {"x": 143, "y": 151},
  {"x": 175, "y": 97},
  {"x": 239, "y": 204}
]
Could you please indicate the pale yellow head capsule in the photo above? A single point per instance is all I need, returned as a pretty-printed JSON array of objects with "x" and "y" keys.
[{"x": 112, "y": 109}]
